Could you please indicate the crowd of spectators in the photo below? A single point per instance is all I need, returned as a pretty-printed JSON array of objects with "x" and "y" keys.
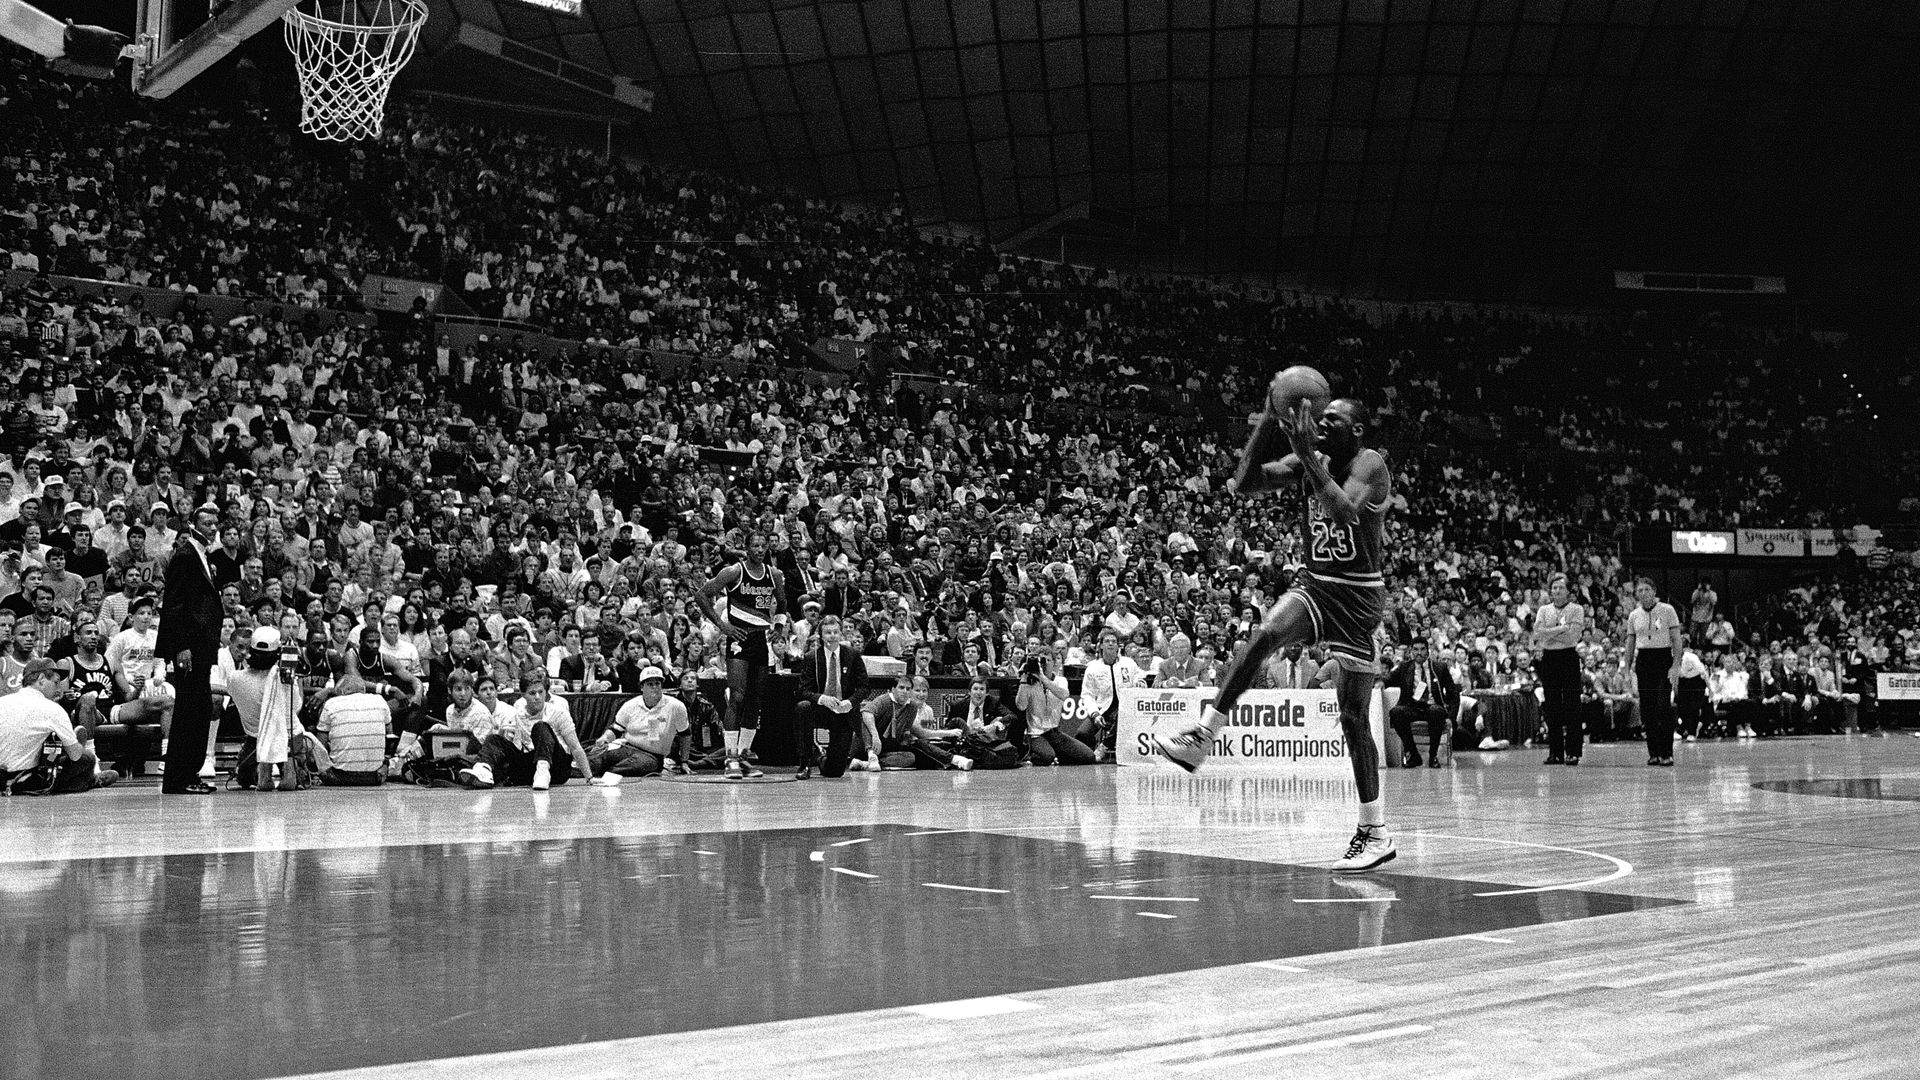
[{"x": 504, "y": 509}]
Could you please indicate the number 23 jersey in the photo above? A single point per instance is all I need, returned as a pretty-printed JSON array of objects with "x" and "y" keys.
[{"x": 1351, "y": 553}]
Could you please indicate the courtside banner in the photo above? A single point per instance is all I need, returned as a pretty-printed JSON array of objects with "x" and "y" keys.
[
  {"x": 1894, "y": 686},
  {"x": 1285, "y": 730}
]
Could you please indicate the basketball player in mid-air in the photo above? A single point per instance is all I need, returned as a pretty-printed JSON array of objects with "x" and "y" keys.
[
  {"x": 753, "y": 588},
  {"x": 1337, "y": 602}
]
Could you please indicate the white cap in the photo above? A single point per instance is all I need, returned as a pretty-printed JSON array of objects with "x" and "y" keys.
[
  {"x": 266, "y": 638},
  {"x": 652, "y": 673}
]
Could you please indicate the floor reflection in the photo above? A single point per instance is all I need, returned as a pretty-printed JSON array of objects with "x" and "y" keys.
[
  {"x": 1889, "y": 790},
  {"x": 262, "y": 964}
]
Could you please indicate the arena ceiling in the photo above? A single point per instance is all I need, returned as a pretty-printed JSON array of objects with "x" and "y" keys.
[{"x": 1418, "y": 144}]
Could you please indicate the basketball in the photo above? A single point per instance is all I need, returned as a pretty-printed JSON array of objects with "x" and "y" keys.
[{"x": 1294, "y": 385}]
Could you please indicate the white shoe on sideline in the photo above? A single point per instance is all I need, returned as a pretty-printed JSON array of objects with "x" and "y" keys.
[
  {"x": 1370, "y": 847},
  {"x": 542, "y": 775},
  {"x": 478, "y": 776},
  {"x": 963, "y": 763}
]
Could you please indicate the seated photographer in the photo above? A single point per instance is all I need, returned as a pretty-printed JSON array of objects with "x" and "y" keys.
[
  {"x": 267, "y": 744},
  {"x": 898, "y": 716},
  {"x": 1041, "y": 698},
  {"x": 647, "y": 735},
  {"x": 706, "y": 738},
  {"x": 29, "y": 717},
  {"x": 984, "y": 724}
]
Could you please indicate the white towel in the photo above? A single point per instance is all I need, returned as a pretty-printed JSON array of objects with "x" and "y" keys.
[{"x": 279, "y": 720}]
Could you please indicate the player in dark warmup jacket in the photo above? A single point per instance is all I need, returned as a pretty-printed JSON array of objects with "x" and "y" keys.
[{"x": 1337, "y": 602}]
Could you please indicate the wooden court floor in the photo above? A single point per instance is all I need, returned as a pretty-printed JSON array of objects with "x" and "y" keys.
[{"x": 1750, "y": 913}]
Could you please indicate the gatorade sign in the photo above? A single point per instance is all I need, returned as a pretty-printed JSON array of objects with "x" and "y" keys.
[
  {"x": 1280, "y": 730},
  {"x": 1899, "y": 686}
]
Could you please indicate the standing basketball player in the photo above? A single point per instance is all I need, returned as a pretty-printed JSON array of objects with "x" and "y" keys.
[
  {"x": 753, "y": 589},
  {"x": 1338, "y": 602},
  {"x": 1653, "y": 629}
]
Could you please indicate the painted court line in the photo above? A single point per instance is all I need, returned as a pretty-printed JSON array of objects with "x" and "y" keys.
[
  {"x": 935, "y": 832},
  {"x": 1156, "y": 915},
  {"x": 1270, "y": 965},
  {"x": 1345, "y": 900},
  {"x": 816, "y": 856},
  {"x": 972, "y": 1007},
  {"x": 697, "y": 851},
  {"x": 851, "y": 873},
  {"x": 849, "y": 843},
  {"x": 1295, "y": 1049},
  {"x": 964, "y": 888},
  {"x": 1155, "y": 899},
  {"x": 1488, "y": 937}
]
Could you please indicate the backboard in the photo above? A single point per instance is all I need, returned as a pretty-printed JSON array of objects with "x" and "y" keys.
[{"x": 169, "y": 59}]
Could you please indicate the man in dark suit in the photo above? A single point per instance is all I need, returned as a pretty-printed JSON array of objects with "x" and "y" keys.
[
  {"x": 833, "y": 686},
  {"x": 189, "y": 638},
  {"x": 1427, "y": 692},
  {"x": 993, "y": 731},
  {"x": 591, "y": 669}
]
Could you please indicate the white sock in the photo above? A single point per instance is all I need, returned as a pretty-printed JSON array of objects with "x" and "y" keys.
[
  {"x": 746, "y": 739},
  {"x": 733, "y": 743},
  {"x": 1214, "y": 719},
  {"x": 1373, "y": 814},
  {"x": 163, "y": 746}
]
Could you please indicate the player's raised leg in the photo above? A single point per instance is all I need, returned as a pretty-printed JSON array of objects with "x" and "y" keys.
[{"x": 1287, "y": 622}]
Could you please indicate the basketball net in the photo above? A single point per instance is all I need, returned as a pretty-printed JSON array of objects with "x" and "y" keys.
[{"x": 347, "y": 54}]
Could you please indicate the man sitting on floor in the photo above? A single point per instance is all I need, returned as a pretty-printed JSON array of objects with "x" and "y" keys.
[
  {"x": 29, "y": 717},
  {"x": 647, "y": 734},
  {"x": 534, "y": 744}
]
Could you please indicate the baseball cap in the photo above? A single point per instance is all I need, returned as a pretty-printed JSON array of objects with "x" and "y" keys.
[
  {"x": 158, "y": 506},
  {"x": 265, "y": 639},
  {"x": 75, "y": 508},
  {"x": 652, "y": 674},
  {"x": 40, "y": 666}
]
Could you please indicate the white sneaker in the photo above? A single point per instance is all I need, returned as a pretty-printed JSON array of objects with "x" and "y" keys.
[
  {"x": 857, "y": 765},
  {"x": 1188, "y": 747},
  {"x": 1369, "y": 848},
  {"x": 542, "y": 775},
  {"x": 1491, "y": 743},
  {"x": 1690, "y": 738},
  {"x": 477, "y": 776},
  {"x": 873, "y": 762},
  {"x": 963, "y": 763}
]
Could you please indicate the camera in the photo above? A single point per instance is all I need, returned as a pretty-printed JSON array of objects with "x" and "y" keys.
[{"x": 1030, "y": 671}]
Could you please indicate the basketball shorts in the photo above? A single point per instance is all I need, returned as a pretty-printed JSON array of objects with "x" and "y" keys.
[
  {"x": 752, "y": 650},
  {"x": 1344, "y": 618}
]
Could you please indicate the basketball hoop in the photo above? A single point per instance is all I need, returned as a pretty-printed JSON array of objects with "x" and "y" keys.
[{"x": 347, "y": 53}]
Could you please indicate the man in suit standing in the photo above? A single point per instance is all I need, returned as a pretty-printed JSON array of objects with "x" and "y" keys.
[
  {"x": 189, "y": 637},
  {"x": 1427, "y": 692},
  {"x": 833, "y": 686}
]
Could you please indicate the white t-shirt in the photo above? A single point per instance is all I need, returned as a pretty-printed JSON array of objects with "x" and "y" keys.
[
  {"x": 401, "y": 655},
  {"x": 653, "y": 729},
  {"x": 132, "y": 653},
  {"x": 26, "y": 719}
]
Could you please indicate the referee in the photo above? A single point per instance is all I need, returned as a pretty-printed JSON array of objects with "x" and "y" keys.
[
  {"x": 1657, "y": 645},
  {"x": 1556, "y": 632}
]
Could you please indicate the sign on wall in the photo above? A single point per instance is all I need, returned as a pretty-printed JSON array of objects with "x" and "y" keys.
[
  {"x": 1289, "y": 730},
  {"x": 1899, "y": 686}
]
